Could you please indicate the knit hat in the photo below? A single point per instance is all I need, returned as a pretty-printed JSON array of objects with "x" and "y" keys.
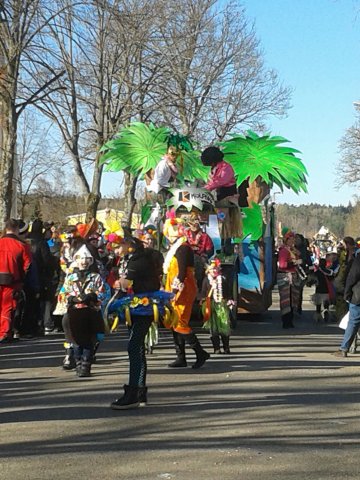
[{"x": 150, "y": 229}]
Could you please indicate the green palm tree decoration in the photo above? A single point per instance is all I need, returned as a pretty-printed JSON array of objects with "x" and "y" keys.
[
  {"x": 188, "y": 162},
  {"x": 253, "y": 222},
  {"x": 254, "y": 157},
  {"x": 191, "y": 167},
  {"x": 139, "y": 147}
]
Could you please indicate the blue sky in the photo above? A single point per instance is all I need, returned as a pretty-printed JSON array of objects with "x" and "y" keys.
[{"x": 314, "y": 45}]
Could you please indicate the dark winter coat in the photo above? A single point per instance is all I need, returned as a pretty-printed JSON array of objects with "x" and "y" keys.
[{"x": 352, "y": 286}]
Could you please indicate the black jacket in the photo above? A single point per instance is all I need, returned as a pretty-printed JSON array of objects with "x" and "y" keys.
[
  {"x": 352, "y": 285},
  {"x": 144, "y": 268}
]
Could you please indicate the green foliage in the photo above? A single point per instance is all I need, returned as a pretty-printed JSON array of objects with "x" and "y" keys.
[
  {"x": 191, "y": 168},
  {"x": 308, "y": 219},
  {"x": 253, "y": 222},
  {"x": 253, "y": 156},
  {"x": 139, "y": 147},
  {"x": 145, "y": 212},
  {"x": 181, "y": 142}
]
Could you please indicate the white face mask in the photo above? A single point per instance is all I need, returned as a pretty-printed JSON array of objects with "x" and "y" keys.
[
  {"x": 83, "y": 263},
  {"x": 83, "y": 258}
]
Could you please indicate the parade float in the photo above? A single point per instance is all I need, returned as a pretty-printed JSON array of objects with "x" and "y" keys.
[
  {"x": 263, "y": 161},
  {"x": 259, "y": 162},
  {"x": 325, "y": 241}
]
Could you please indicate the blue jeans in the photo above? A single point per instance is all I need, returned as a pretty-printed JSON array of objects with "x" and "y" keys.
[{"x": 352, "y": 328}]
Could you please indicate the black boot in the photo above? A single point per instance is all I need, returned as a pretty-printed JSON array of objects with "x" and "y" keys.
[
  {"x": 143, "y": 395},
  {"x": 287, "y": 320},
  {"x": 78, "y": 367},
  {"x": 180, "y": 351},
  {"x": 84, "y": 370},
  {"x": 226, "y": 343},
  {"x": 69, "y": 360},
  {"x": 201, "y": 354},
  {"x": 96, "y": 346},
  {"x": 129, "y": 400},
  {"x": 215, "y": 340}
]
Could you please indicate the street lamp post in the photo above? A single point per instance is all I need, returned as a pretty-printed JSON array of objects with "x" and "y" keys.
[{"x": 276, "y": 224}]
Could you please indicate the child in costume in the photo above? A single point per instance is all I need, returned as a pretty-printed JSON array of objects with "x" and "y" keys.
[
  {"x": 202, "y": 246},
  {"x": 83, "y": 323},
  {"x": 216, "y": 312},
  {"x": 199, "y": 241},
  {"x": 147, "y": 236},
  {"x": 180, "y": 280},
  {"x": 324, "y": 291},
  {"x": 140, "y": 309}
]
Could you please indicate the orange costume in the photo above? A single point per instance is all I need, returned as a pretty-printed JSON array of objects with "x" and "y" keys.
[
  {"x": 180, "y": 279},
  {"x": 181, "y": 272}
]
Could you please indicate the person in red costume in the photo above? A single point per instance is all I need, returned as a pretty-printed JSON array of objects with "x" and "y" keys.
[
  {"x": 202, "y": 246},
  {"x": 288, "y": 279},
  {"x": 15, "y": 260},
  {"x": 199, "y": 241}
]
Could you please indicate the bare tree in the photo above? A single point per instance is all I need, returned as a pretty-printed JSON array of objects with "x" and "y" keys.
[
  {"x": 35, "y": 157},
  {"x": 103, "y": 47},
  {"x": 91, "y": 66},
  {"x": 22, "y": 21},
  {"x": 215, "y": 79},
  {"x": 348, "y": 167}
]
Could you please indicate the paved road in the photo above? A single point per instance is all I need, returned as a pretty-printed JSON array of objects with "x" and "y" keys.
[{"x": 279, "y": 407}]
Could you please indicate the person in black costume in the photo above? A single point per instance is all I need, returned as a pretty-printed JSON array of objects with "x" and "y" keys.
[
  {"x": 45, "y": 265},
  {"x": 141, "y": 276}
]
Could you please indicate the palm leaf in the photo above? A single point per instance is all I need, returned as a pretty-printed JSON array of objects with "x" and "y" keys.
[
  {"x": 189, "y": 163},
  {"x": 145, "y": 213},
  {"x": 253, "y": 156},
  {"x": 190, "y": 167},
  {"x": 180, "y": 142},
  {"x": 137, "y": 148},
  {"x": 253, "y": 222}
]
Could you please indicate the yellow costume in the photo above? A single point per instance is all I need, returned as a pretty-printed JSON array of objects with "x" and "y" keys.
[
  {"x": 180, "y": 279},
  {"x": 183, "y": 300}
]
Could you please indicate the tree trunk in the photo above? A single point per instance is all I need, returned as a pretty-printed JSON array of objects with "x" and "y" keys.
[
  {"x": 8, "y": 127},
  {"x": 94, "y": 196},
  {"x": 257, "y": 191},
  {"x": 130, "y": 200}
]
